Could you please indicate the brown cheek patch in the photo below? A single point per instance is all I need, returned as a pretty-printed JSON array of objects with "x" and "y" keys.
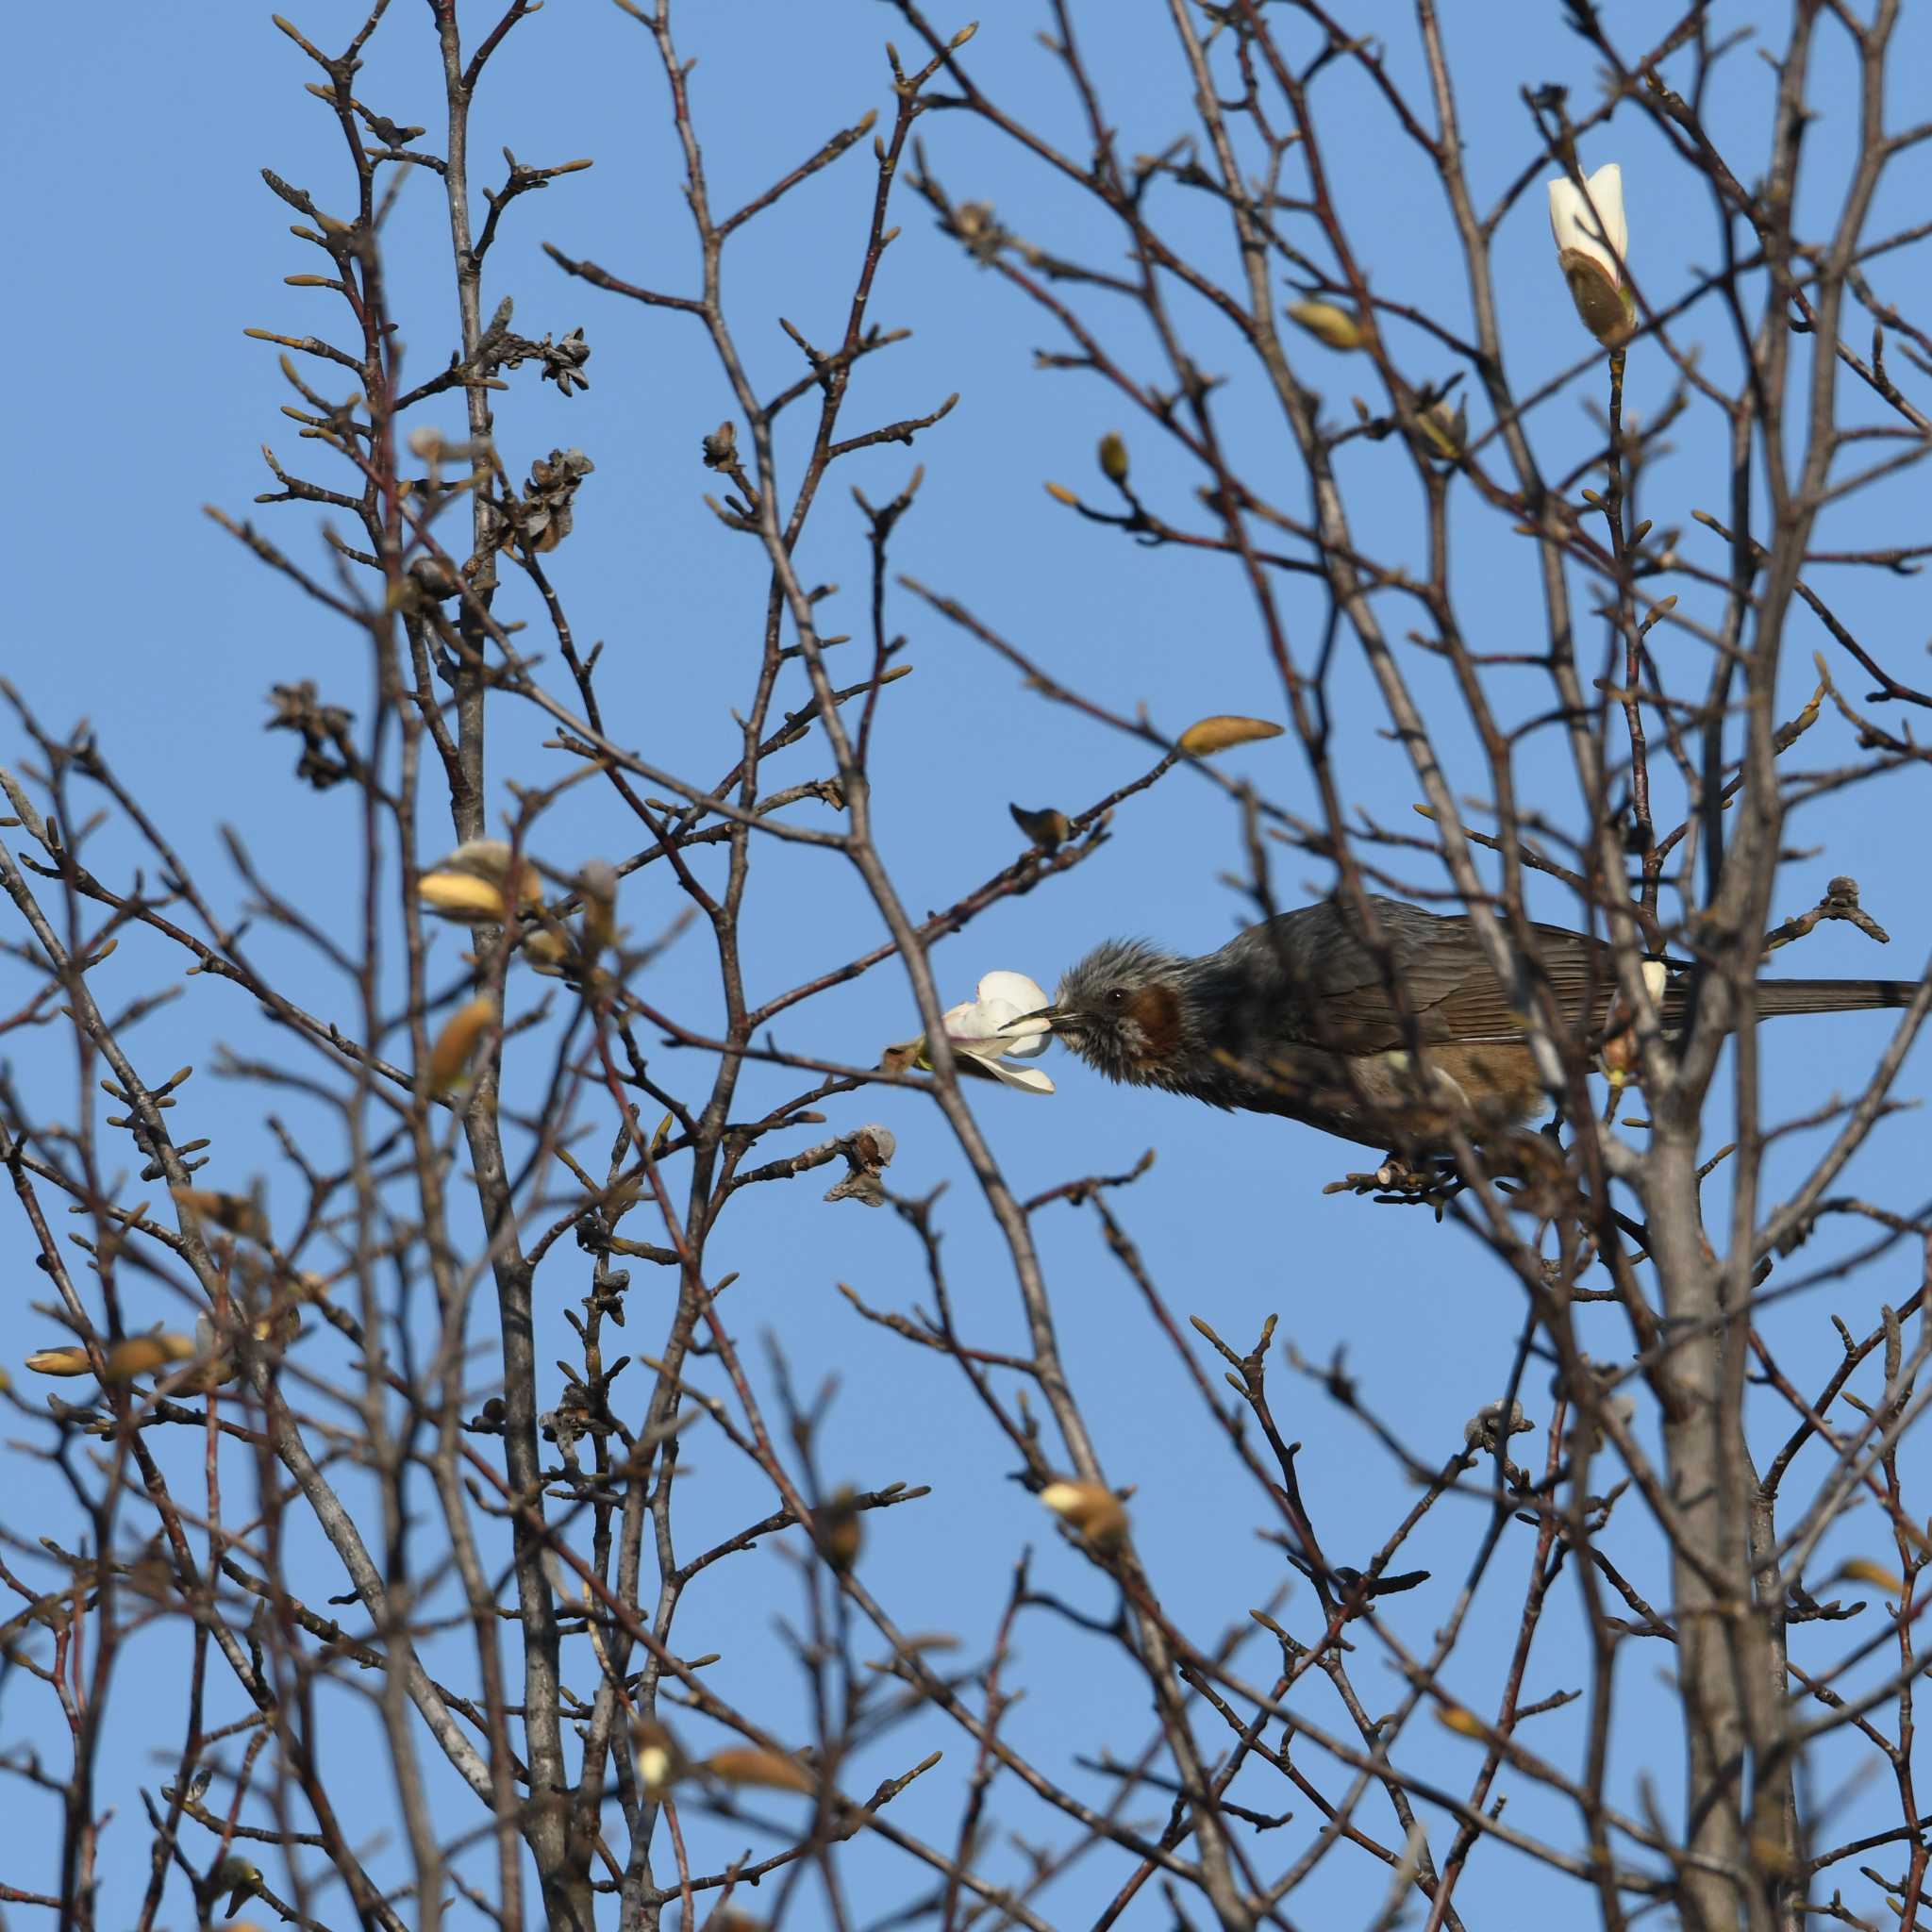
[{"x": 1157, "y": 1013}]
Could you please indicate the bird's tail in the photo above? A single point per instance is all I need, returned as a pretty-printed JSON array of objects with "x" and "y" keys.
[{"x": 1832, "y": 995}]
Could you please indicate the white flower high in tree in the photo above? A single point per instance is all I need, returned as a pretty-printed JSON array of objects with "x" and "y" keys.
[
  {"x": 986, "y": 1034},
  {"x": 1593, "y": 243}
]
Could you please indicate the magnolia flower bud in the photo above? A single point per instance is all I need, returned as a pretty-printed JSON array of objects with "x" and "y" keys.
[
  {"x": 142, "y": 1355},
  {"x": 1222, "y": 732},
  {"x": 1863, "y": 1570},
  {"x": 473, "y": 883},
  {"x": 450, "y": 1054},
  {"x": 1329, "y": 322},
  {"x": 60, "y": 1361},
  {"x": 1091, "y": 1508},
  {"x": 1592, "y": 241},
  {"x": 771, "y": 1770},
  {"x": 1442, "y": 432}
]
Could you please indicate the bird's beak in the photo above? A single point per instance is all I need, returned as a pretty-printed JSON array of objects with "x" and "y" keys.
[{"x": 1057, "y": 1017}]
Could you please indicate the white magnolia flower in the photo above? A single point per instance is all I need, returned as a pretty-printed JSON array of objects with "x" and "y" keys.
[
  {"x": 1593, "y": 243},
  {"x": 988, "y": 1033}
]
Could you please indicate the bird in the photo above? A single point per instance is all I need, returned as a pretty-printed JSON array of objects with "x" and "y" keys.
[{"x": 1299, "y": 1016}]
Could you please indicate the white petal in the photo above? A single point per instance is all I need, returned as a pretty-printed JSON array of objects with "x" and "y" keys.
[
  {"x": 982, "y": 1052},
  {"x": 977, "y": 1024},
  {"x": 1023, "y": 1034},
  {"x": 1015, "y": 988},
  {"x": 1566, "y": 204},
  {"x": 1607, "y": 191},
  {"x": 1017, "y": 1031},
  {"x": 1574, "y": 227},
  {"x": 1028, "y": 1079}
]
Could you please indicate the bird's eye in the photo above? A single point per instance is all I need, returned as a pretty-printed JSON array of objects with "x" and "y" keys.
[{"x": 1116, "y": 995}]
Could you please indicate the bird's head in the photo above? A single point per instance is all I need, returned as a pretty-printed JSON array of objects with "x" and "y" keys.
[{"x": 1122, "y": 1010}]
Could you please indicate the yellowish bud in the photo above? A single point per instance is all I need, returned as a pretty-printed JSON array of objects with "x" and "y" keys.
[
  {"x": 1863, "y": 1570},
  {"x": 474, "y": 883},
  {"x": 142, "y": 1354},
  {"x": 1091, "y": 1508},
  {"x": 456, "y": 896},
  {"x": 458, "y": 1040},
  {"x": 1445, "y": 431},
  {"x": 1329, "y": 323},
  {"x": 770, "y": 1770},
  {"x": 1222, "y": 733},
  {"x": 59, "y": 1361}
]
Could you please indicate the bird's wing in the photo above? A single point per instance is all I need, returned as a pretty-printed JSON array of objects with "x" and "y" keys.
[{"x": 1444, "y": 978}]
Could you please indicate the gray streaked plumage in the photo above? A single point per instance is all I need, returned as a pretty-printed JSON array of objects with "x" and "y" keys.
[{"x": 1295, "y": 1017}]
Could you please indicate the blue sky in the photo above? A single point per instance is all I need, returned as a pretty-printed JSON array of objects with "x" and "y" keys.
[{"x": 148, "y": 243}]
